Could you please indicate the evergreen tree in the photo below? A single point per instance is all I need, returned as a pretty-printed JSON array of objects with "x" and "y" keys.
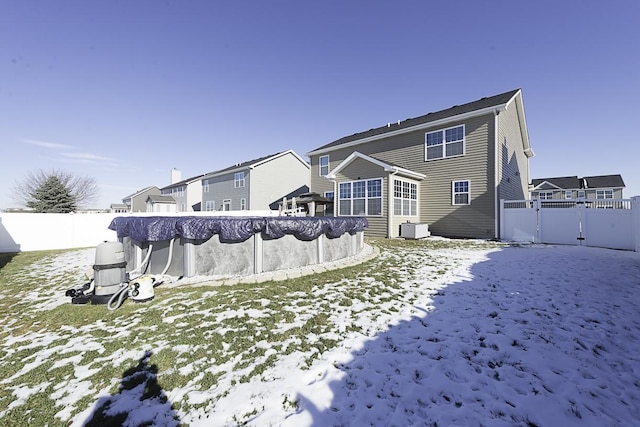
[{"x": 52, "y": 197}]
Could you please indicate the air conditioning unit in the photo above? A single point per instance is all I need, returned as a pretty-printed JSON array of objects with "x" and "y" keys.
[{"x": 411, "y": 230}]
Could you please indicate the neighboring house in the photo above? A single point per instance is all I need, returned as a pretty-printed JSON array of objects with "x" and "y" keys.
[
  {"x": 156, "y": 203},
  {"x": 449, "y": 169},
  {"x": 118, "y": 208},
  {"x": 572, "y": 187},
  {"x": 254, "y": 184},
  {"x": 186, "y": 193},
  {"x": 137, "y": 202}
]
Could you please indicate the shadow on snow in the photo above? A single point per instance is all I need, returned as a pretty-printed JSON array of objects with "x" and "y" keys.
[
  {"x": 140, "y": 401},
  {"x": 511, "y": 343}
]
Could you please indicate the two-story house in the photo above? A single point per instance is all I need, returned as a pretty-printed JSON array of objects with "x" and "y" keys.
[
  {"x": 254, "y": 184},
  {"x": 137, "y": 202},
  {"x": 449, "y": 169},
  {"x": 187, "y": 193},
  {"x": 572, "y": 187}
]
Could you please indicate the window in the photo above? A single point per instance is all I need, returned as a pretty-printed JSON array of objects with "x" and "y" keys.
[
  {"x": 329, "y": 195},
  {"x": 581, "y": 194},
  {"x": 206, "y": 185},
  {"x": 444, "y": 143},
  {"x": 324, "y": 165},
  {"x": 405, "y": 198},
  {"x": 604, "y": 194},
  {"x": 360, "y": 198},
  {"x": 209, "y": 205},
  {"x": 243, "y": 204},
  {"x": 461, "y": 193},
  {"x": 568, "y": 194},
  {"x": 238, "y": 180},
  {"x": 226, "y": 205},
  {"x": 545, "y": 195}
]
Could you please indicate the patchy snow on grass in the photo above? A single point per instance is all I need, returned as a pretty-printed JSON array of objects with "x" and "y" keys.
[{"x": 477, "y": 335}]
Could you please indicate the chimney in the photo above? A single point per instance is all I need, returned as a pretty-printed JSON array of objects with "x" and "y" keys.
[{"x": 176, "y": 176}]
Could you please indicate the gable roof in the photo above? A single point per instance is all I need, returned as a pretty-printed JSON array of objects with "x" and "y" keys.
[
  {"x": 139, "y": 192},
  {"x": 250, "y": 164},
  {"x": 160, "y": 199},
  {"x": 183, "y": 182},
  {"x": 388, "y": 167},
  {"x": 457, "y": 112},
  {"x": 562, "y": 183},
  {"x": 604, "y": 181},
  {"x": 573, "y": 182}
]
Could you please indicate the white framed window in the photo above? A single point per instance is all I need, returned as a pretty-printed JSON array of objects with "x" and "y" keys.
[
  {"x": 329, "y": 195},
  {"x": 243, "y": 204},
  {"x": 545, "y": 195},
  {"x": 568, "y": 194},
  {"x": 226, "y": 205},
  {"x": 581, "y": 194},
  {"x": 323, "y": 165},
  {"x": 461, "y": 193},
  {"x": 205, "y": 185},
  {"x": 238, "y": 180},
  {"x": 444, "y": 143},
  {"x": 604, "y": 194},
  {"x": 209, "y": 205},
  {"x": 405, "y": 198},
  {"x": 360, "y": 198}
]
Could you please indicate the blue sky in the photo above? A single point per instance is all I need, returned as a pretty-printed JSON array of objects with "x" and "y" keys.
[{"x": 124, "y": 91}]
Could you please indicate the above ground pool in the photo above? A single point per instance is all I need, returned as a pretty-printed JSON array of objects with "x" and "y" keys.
[{"x": 187, "y": 246}]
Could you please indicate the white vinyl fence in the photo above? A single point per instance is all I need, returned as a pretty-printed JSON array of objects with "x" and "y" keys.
[
  {"x": 608, "y": 223},
  {"x": 23, "y": 232}
]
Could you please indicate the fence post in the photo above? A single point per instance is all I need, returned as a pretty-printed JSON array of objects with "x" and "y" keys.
[
  {"x": 537, "y": 205},
  {"x": 501, "y": 236},
  {"x": 635, "y": 221}
]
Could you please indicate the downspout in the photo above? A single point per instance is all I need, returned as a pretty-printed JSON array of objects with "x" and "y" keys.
[
  {"x": 496, "y": 177},
  {"x": 390, "y": 203}
]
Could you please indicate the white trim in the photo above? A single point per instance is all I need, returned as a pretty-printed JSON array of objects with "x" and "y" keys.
[
  {"x": 417, "y": 199},
  {"x": 387, "y": 167},
  {"x": 443, "y": 131},
  {"x": 453, "y": 192},
  {"x": 433, "y": 124},
  {"x": 366, "y": 197},
  {"x": 320, "y": 165},
  {"x": 536, "y": 188},
  {"x": 275, "y": 156}
]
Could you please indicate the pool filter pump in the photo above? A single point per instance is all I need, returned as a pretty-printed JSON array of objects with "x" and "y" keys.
[{"x": 108, "y": 271}]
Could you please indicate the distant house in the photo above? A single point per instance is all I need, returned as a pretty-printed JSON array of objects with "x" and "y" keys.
[
  {"x": 118, "y": 208},
  {"x": 254, "y": 184},
  {"x": 449, "y": 169},
  {"x": 572, "y": 187},
  {"x": 137, "y": 202},
  {"x": 161, "y": 203},
  {"x": 186, "y": 193}
]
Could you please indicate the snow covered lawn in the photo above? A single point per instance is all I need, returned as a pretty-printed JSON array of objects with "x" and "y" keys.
[{"x": 436, "y": 332}]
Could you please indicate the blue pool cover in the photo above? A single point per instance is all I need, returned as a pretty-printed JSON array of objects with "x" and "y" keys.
[{"x": 233, "y": 229}]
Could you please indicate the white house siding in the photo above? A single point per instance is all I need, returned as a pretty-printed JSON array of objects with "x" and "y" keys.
[{"x": 276, "y": 178}]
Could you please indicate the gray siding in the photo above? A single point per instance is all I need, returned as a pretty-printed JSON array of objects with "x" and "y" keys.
[
  {"x": 435, "y": 206},
  {"x": 513, "y": 164},
  {"x": 221, "y": 188},
  {"x": 362, "y": 169}
]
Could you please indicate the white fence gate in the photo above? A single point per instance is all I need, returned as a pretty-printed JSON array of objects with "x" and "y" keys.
[{"x": 608, "y": 223}]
